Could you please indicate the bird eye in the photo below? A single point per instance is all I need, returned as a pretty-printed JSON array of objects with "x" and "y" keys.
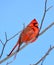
[{"x": 35, "y": 24}]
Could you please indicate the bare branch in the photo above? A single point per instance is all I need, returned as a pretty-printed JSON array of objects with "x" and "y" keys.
[
  {"x": 47, "y": 53},
  {"x": 14, "y": 36},
  {"x": 49, "y": 8},
  {"x": 43, "y": 15},
  {"x": 8, "y": 40},
  {"x": 12, "y": 60},
  {"x": 13, "y": 54},
  {"x": 1, "y": 42},
  {"x": 6, "y": 36},
  {"x": 46, "y": 29},
  {"x": 2, "y": 49},
  {"x": 42, "y": 61},
  {"x": 44, "y": 58},
  {"x": 45, "y": 11},
  {"x": 4, "y": 44}
]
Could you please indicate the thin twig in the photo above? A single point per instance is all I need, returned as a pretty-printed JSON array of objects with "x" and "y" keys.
[
  {"x": 1, "y": 42},
  {"x": 45, "y": 11},
  {"x": 42, "y": 61},
  {"x": 2, "y": 49},
  {"x": 16, "y": 53},
  {"x": 49, "y": 8},
  {"x": 4, "y": 44},
  {"x": 44, "y": 58},
  {"x": 6, "y": 36},
  {"x": 13, "y": 54},
  {"x": 47, "y": 53},
  {"x": 12, "y": 60},
  {"x": 43, "y": 15},
  {"x": 14, "y": 35},
  {"x": 46, "y": 29}
]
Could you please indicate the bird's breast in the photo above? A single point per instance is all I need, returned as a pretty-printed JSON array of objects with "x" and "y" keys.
[{"x": 29, "y": 34}]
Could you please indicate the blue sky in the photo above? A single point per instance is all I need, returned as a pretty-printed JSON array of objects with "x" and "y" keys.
[{"x": 13, "y": 14}]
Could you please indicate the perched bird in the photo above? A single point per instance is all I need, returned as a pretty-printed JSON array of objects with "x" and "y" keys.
[{"x": 28, "y": 35}]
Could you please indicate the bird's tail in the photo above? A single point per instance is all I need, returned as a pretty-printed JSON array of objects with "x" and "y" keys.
[{"x": 13, "y": 48}]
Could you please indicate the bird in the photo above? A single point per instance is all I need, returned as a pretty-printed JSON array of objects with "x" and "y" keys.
[{"x": 28, "y": 35}]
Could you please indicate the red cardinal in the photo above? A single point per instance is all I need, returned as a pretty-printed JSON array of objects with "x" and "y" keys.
[{"x": 28, "y": 35}]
